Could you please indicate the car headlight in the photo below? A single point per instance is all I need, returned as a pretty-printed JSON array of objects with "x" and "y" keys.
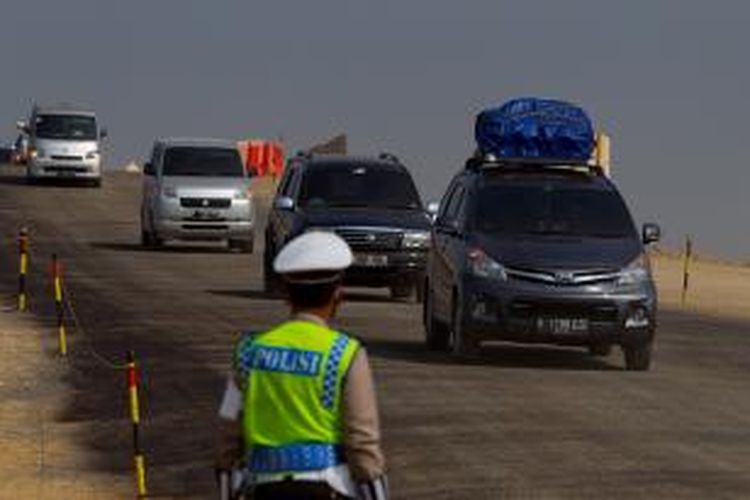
[
  {"x": 242, "y": 194},
  {"x": 169, "y": 192},
  {"x": 416, "y": 239},
  {"x": 483, "y": 266},
  {"x": 638, "y": 271},
  {"x": 36, "y": 153},
  {"x": 92, "y": 155}
]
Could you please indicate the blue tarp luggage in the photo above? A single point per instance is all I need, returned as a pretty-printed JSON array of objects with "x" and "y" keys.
[{"x": 535, "y": 128}]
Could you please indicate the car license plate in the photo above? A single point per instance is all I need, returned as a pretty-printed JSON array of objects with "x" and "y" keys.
[
  {"x": 369, "y": 260},
  {"x": 206, "y": 215},
  {"x": 562, "y": 326}
]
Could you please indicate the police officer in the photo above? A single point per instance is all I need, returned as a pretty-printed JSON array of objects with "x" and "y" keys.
[{"x": 299, "y": 413}]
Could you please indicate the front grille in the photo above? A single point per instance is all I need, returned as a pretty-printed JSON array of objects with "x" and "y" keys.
[
  {"x": 564, "y": 278},
  {"x": 205, "y": 227},
  {"x": 206, "y": 202},
  {"x": 67, "y": 158},
  {"x": 70, "y": 170},
  {"x": 371, "y": 239},
  {"x": 598, "y": 312}
]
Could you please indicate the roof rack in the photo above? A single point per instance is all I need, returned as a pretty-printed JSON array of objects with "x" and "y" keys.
[{"x": 489, "y": 161}]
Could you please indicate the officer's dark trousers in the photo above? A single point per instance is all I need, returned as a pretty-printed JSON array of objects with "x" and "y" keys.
[{"x": 295, "y": 490}]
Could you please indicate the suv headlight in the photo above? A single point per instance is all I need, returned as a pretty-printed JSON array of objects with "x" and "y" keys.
[
  {"x": 482, "y": 265},
  {"x": 169, "y": 192},
  {"x": 637, "y": 272},
  {"x": 416, "y": 239},
  {"x": 242, "y": 194},
  {"x": 92, "y": 155}
]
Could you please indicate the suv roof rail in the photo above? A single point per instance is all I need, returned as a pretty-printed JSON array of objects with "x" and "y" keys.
[
  {"x": 390, "y": 157},
  {"x": 489, "y": 161}
]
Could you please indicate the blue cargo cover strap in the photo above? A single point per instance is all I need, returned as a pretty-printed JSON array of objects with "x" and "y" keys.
[{"x": 295, "y": 458}]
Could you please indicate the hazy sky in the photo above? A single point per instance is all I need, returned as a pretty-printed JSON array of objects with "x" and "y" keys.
[{"x": 669, "y": 80}]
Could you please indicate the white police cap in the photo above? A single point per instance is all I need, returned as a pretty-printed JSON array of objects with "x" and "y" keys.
[{"x": 314, "y": 252}]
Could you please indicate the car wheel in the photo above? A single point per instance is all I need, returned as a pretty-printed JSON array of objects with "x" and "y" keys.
[
  {"x": 244, "y": 246},
  {"x": 146, "y": 238},
  {"x": 638, "y": 356},
  {"x": 463, "y": 343},
  {"x": 437, "y": 335},
  {"x": 600, "y": 349},
  {"x": 402, "y": 291}
]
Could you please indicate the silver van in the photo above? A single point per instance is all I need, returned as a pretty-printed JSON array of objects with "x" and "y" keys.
[
  {"x": 64, "y": 143},
  {"x": 196, "y": 189}
]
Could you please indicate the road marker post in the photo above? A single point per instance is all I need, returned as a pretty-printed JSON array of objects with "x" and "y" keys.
[
  {"x": 139, "y": 461},
  {"x": 59, "y": 304},
  {"x": 23, "y": 269},
  {"x": 688, "y": 256}
]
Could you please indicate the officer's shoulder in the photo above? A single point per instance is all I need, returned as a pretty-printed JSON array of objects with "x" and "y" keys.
[
  {"x": 244, "y": 338},
  {"x": 352, "y": 337}
]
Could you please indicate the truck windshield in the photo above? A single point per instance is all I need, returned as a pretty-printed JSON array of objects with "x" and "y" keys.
[
  {"x": 202, "y": 161},
  {"x": 66, "y": 127},
  {"x": 549, "y": 209},
  {"x": 358, "y": 186}
]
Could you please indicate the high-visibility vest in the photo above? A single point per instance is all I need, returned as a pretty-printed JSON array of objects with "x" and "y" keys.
[{"x": 292, "y": 378}]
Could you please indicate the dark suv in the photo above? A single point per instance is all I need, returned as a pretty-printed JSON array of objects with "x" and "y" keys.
[
  {"x": 539, "y": 253},
  {"x": 370, "y": 202}
]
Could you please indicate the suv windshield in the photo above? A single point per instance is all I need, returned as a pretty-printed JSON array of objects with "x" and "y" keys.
[
  {"x": 553, "y": 209},
  {"x": 202, "y": 161},
  {"x": 358, "y": 186},
  {"x": 68, "y": 127}
]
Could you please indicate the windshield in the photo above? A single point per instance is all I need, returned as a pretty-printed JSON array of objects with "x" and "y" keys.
[
  {"x": 553, "y": 209},
  {"x": 202, "y": 161},
  {"x": 358, "y": 186},
  {"x": 67, "y": 127}
]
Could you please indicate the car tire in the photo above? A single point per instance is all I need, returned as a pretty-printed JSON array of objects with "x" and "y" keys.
[
  {"x": 271, "y": 280},
  {"x": 437, "y": 335},
  {"x": 244, "y": 246},
  {"x": 463, "y": 343},
  {"x": 403, "y": 292},
  {"x": 638, "y": 356},
  {"x": 600, "y": 349}
]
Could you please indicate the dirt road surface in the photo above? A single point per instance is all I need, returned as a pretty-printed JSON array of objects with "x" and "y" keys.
[{"x": 524, "y": 422}]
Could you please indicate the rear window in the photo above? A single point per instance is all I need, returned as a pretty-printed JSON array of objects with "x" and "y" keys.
[
  {"x": 553, "y": 209},
  {"x": 202, "y": 161},
  {"x": 358, "y": 185}
]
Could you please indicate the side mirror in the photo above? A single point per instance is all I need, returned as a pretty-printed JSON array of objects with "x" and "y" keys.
[
  {"x": 103, "y": 133},
  {"x": 148, "y": 168},
  {"x": 283, "y": 203},
  {"x": 449, "y": 227},
  {"x": 22, "y": 126},
  {"x": 651, "y": 233},
  {"x": 433, "y": 208}
]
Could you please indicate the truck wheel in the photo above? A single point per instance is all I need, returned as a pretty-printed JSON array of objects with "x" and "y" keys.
[
  {"x": 638, "y": 356},
  {"x": 463, "y": 343},
  {"x": 437, "y": 335}
]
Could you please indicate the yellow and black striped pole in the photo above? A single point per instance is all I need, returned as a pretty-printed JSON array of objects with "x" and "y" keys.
[
  {"x": 135, "y": 417},
  {"x": 23, "y": 269},
  {"x": 59, "y": 304},
  {"x": 686, "y": 268}
]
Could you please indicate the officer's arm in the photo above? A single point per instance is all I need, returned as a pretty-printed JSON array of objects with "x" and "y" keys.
[
  {"x": 229, "y": 429},
  {"x": 362, "y": 430}
]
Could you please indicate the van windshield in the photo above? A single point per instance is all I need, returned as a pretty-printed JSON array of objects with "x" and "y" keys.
[
  {"x": 550, "y": 209},
  {"x": 66, "y": 127},
  {"x": 202, "y": 161},
  {"x": 358, "y": 186}
]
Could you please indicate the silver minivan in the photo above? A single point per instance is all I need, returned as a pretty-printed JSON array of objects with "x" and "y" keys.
[
  {"x": 196, "y": 189},
  {"x": 64, "y": 143}
]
